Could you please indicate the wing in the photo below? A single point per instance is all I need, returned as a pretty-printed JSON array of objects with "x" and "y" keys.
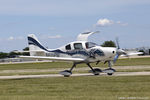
[
  {"x": 21, "y": 51},
  {"x": 28, "y": 51},
  {"x": 54, "y": 58},
  {"x": 84, "y": 36}
]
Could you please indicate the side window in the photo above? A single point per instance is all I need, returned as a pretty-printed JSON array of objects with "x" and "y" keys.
[
  {"x": 78, "y": 46},
  {"x": 68, "y": 47},
  {"x": 90, "y": 45}
]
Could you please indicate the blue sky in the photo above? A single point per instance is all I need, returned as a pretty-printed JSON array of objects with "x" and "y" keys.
[{"x": 57, "y": 22}]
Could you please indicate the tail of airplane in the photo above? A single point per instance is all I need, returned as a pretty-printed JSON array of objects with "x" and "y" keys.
[{"x": 35, "y": 47}]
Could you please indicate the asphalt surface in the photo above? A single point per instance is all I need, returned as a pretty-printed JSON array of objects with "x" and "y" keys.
[{"x": 74, "y": 75}]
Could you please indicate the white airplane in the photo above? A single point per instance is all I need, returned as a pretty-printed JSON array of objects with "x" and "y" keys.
[{"x": 80, "y": 51}]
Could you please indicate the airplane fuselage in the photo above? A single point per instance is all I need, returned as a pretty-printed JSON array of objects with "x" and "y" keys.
[{"x": 85, "y": 50}]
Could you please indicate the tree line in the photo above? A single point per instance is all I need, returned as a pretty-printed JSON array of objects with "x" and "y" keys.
[{"x": 14, "y": 54}]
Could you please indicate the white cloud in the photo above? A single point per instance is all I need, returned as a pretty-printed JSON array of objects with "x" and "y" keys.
[
  {"x": 108, "y": 22},
  {"x": 55, "y": 37},
  {"x": 104, "y": 22},
  {"x": 10, "y": 38}
]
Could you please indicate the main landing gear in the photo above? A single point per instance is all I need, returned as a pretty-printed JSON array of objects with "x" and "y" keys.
[
  {"x": 96, "y": 71},
  {"x": 67, "y": 73}
]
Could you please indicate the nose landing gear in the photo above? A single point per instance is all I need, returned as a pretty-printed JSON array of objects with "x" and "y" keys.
[{"x": 110, "y": 70}]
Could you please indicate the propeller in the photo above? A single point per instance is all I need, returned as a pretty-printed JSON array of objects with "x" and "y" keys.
[
  {"x": 122, "y": 52},
  {"x": 118, "y": 51}
]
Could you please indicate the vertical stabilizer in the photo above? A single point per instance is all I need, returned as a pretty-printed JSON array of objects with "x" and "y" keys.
[{"x": 35, "y": 47}]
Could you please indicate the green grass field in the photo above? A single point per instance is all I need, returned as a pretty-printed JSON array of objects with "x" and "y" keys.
[
  {"x": 65, "y": 65},
  {"x": 76, "y": 88},
  {"x": 47, "y": 65}
]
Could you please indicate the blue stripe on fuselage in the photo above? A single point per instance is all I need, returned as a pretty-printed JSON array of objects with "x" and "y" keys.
[
  {"x": 82, "y": 52},
  {"x": 36, "y": 43}
]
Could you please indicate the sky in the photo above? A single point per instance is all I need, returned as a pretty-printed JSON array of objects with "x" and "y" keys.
[{"x": 57, "y": 22}]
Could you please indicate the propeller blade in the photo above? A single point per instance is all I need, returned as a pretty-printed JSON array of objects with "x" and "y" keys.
[
  {"x": 116, "y": 58},
  {"x": 118, "y": 53},
  {"x": 117, "y": 42}
]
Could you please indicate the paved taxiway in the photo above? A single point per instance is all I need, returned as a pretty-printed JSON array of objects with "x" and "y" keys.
[{"x": 83, "y": 74}]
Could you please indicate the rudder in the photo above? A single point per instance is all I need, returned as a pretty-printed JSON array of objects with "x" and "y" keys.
[{"x": 35, "y": 46}]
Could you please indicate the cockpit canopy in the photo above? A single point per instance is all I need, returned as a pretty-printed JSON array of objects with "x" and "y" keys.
[
  {"x": 80, "y": 45},
  {"x": 90, "y": 45}
]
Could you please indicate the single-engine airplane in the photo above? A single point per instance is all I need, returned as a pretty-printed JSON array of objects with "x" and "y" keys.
[{"x": 80, "y": 51}]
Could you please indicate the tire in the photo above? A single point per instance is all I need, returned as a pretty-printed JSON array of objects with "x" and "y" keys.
[
  {"x": 96, "y": 73},
  {"x": 66, "y": 75},
  {"x": 109, "y": 73}
]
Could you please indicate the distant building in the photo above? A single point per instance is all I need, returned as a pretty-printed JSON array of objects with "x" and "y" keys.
[{"x": 145, "y": 49}]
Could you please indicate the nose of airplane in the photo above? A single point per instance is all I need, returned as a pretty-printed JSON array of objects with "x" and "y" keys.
[
  {"x": 113, "y": 51},
  {"x": 109, "y": 51}
]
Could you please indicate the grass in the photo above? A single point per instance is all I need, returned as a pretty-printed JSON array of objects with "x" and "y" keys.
[
  {"x": 27, "y": 73},
  {"x": 76, "y": 88},
  {"x": 133, "y": 62},
  {"x": 65, "y": 65},
  {"x": 48, "y": 65},
  {"x": 42, "y": 65}
]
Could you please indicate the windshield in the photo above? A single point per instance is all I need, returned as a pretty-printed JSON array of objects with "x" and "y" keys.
[{"x": 90, "y": 44}]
